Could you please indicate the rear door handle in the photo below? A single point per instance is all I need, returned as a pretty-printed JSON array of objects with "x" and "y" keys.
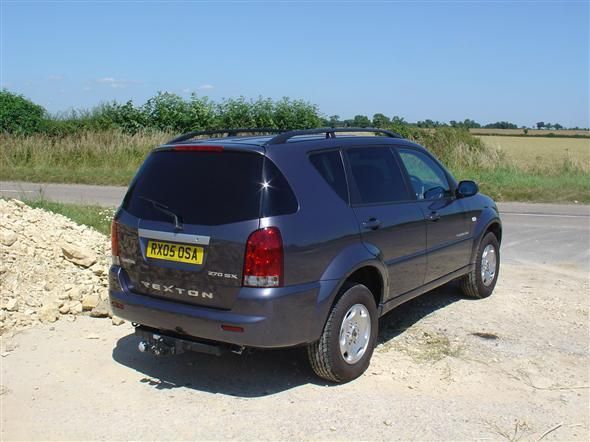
[
  {"x": 434, "y": 216},
  {"x": 372, "y": 224}
]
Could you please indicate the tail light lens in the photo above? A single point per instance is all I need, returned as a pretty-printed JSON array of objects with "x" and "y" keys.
[
  {"x": 115, "y": 242},
  {"x": 263, "y": 262}
]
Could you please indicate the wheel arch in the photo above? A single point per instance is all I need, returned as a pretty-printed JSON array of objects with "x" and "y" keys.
[
  {"x": 361, "y": 265},
  {"x": 489, "y": 222}
]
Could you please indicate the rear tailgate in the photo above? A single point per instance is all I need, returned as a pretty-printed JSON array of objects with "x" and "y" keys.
[{"x": 216, "y": 197}]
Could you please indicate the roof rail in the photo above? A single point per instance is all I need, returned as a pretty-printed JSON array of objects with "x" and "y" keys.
[
  {"x": 330, "y": 133},
  {"x": 229, "y": 132}
]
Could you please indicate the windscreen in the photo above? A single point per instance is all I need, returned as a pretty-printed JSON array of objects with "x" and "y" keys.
[{"x": 207, "y": 188}]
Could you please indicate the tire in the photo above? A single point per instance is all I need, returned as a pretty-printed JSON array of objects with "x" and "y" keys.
[
  {"x": 478, "y": 285},
  {"x": 354, "y": 311}
]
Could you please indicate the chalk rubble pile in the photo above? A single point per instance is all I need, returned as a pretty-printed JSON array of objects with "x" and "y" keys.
[{"x": 50, "y": 268}]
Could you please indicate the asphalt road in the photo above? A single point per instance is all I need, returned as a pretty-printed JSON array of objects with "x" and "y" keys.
[{"x": 533, "y": 233}]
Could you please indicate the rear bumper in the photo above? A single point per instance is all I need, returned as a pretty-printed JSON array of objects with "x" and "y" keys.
[{"x": 270, "y": 318}]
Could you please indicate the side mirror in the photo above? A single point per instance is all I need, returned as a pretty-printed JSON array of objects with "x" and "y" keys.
[
  {"x": 435, "y": 193},
  {"x": 467, "y": 188}
]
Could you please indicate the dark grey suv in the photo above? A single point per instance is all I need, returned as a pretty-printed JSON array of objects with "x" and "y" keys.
[{"x": 301, "y": 238}]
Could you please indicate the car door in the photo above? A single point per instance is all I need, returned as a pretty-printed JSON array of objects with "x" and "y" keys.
[
  {"x": 448, "y": 239},
  {"x": 390, "y": 219}
]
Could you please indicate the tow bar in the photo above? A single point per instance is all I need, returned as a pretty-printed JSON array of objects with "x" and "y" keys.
[{"x": 159, "y": 344}]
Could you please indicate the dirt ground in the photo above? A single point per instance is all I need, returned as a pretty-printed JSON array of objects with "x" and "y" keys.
[{"x": 512, "y": 366}]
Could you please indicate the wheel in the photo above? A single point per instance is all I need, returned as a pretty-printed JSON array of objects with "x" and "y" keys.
[
  {"x": 344, "y": 350},
  {"x": 480, "y": 282}
]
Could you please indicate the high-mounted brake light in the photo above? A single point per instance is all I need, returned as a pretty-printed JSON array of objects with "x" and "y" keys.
[
  {"x": 197, "y": 148},
  {"x": 263, "y": 261},
  {"x": 115, "y": 242}
]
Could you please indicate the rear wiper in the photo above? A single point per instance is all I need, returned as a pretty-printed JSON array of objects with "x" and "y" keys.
[{"x": 164, "y": 209}]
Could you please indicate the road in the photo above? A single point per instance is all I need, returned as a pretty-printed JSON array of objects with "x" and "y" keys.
[
  {"x": 545, "y": 233},
  {"x": 431, "y": 377}
]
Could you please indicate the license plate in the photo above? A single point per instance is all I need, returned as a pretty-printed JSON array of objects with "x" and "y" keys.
[{"x": 174, "y": 252}]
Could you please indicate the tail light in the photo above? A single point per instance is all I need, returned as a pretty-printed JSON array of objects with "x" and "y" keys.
[
  {"x": 115, "y": 242},
  {"x": 263, "y": 262}
]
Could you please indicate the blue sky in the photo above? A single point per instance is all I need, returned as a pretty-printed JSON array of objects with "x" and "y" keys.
[{"x": 517, "y": 61}]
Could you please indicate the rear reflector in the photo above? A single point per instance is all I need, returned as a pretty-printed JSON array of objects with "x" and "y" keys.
[
  {"x": 115, "y": 242},
  {"x": 232, "y": 328},
  {"x": 263, "y": 261},
  {"x": 118, "y": 305},
  {"x": 197, "y": 148}
]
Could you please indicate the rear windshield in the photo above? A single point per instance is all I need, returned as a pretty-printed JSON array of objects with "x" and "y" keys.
[{"x": 208, "y": 188}]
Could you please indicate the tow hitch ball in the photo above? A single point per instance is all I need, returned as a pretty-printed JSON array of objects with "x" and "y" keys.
[{"x": 157, "y": 347}]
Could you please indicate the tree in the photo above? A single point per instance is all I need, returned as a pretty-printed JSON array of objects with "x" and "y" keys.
[
  {"x": 18, "y": 115},
  {"x": 361, "y": 121},
  {"x": 540, "y": 125},
  {"x": 398, "y": 120},
  {"x": 334, "y": 121},
  {"x": 501, "y": 125},
  {"x": 429, "y": 124},
  {"x": 380, "y": 120},
  {"x": 470, "y": 124}
]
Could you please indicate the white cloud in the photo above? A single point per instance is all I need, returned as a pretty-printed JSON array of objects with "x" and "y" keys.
[
  {"x": 55, "y": 78},
  {"x": 205, "y": 87},
  {"x": 114, "y": 82},
  {"x": 186, "y": 90}
]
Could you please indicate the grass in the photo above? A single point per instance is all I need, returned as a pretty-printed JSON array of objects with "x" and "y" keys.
[
  {"x": 95, "y": 217},
  {"x": 514, "y": 184},
  {"x": 120, "y": 176},
  {"x": 507, "y": 168},
  {"x": 109, "y": 157}
]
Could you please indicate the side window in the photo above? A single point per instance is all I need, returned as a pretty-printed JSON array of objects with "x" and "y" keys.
[
  {"x": 329, "y": 165},
  {"x": 429, "y": 181},
  {"x": 278, "y": 197},
  {"x": 377, "y": 176}
]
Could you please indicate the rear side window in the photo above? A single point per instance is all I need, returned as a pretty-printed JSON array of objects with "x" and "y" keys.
[
  {"x": 208, "y": 188},
  {"x": 277, "y": 196},
  {"x": 329, "y": 165},
  {"x": 377, "y": 176}
]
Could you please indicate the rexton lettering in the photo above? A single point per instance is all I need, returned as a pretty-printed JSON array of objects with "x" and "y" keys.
[{"x": 171, "y": 289}]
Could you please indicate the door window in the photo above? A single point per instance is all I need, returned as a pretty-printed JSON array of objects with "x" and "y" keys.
[
  {"x": 377, "y": 176},
  {"x": 428, "y": 179}
]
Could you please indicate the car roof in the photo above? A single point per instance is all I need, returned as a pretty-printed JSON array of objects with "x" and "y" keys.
[{"x": 317, "y": 138}]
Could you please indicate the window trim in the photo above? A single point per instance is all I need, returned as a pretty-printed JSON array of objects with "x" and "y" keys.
[
  {"x": 353, "y": 184},
  {"x": 452, "y": 183}
]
